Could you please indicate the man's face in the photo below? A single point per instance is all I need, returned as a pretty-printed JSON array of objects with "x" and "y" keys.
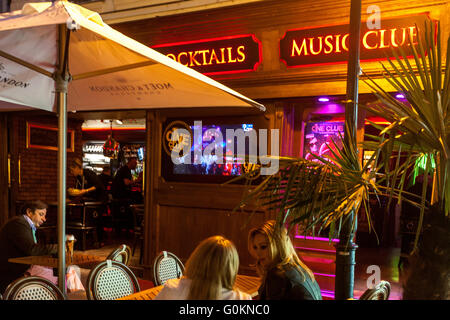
[
  {"x": 133, "y": 164},
  {"x": 76, "y": 171},
  {"x": 38, "y": 216}
]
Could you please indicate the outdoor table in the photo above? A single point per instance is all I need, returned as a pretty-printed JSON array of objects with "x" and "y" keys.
[
  {"x": 247, "y": 284},
  {"x": 79, "y": 259}
]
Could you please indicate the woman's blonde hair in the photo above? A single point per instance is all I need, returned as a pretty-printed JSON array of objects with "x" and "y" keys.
[
  {"x": 212, "y": 266},
  {"x": 281, "y": 250}
]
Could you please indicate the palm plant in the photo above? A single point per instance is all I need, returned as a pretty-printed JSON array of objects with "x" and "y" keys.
[
  {"x": 318, "y": 194},
  {"x": 324, "y": 193},
  {"x": 421, "y": 129}
]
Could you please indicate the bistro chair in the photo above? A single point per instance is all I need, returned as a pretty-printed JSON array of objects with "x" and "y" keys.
[
  {"x": 166, "y": 266},
  {"x": 110, "y": 280},
  {"x": 33, "y": 288},
  {"x": 380, "y": 292},
  {"x": 121, "y": 254}
]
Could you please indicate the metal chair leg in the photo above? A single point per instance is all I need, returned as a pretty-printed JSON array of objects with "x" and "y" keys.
[{"x": 141, "y": 253}]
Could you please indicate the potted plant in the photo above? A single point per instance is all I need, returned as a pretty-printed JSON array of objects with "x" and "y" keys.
[
  {"x": 324, "y": 193},
  {"x": 420, "y": 128}
]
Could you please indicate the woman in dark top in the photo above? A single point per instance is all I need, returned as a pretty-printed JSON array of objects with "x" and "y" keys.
[{"x": 284, "y": 275}]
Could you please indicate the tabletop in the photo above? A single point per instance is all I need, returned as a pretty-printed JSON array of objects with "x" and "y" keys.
[
  {"x": 79, "y": 259},
  {"x": 247, "y": 284}
]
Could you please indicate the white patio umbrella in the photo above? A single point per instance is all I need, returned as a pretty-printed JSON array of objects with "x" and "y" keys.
[{"x": 62, "y": 57}]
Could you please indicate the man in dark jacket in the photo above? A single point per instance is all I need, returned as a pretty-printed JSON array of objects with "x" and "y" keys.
[
  {"x": 88, "y": 183},
  {"x": 90, "y": 188},
  {"x": 123, "y": 181},
  {"x": 18, "y": 239}
]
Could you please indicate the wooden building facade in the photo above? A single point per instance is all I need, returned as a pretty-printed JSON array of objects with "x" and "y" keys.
[{"x": 284, "y": 54}]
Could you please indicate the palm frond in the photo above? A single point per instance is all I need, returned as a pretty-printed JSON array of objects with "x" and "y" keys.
[
  {"x": 421, "y": 126},
  {"x": 323, "y": 193}
]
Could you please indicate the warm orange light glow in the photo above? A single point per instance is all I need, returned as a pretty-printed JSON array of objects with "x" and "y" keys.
[
  {"x": 344, "y": 41},
  {"x": 328, "y": 44},
  {"x": 311, "y": 45},
  {"x": 298, "y": 51},
  {"x": 365, "y": 44}
]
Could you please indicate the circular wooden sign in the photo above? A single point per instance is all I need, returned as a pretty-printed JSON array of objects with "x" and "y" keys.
[
  {"x": 175, "y": 139},
  {"x": 252, "y": 170}
]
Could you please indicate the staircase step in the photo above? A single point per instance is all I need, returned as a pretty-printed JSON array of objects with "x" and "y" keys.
[
  {"x": 325, "y": 281},
  {"x": 320, "y": 267}
]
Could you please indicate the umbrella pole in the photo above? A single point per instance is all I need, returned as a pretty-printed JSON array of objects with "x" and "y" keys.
[
  {"x": 61, "y": 99},
  {"x": 62, "y": 134}
]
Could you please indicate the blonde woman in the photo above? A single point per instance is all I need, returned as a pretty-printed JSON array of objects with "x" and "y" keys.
[
  {"x": 210, "y": 274},
  {"x": 284, "y": 275}
]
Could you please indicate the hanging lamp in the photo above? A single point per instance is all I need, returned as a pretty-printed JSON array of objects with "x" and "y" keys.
[{"x": 111, "y": 146}]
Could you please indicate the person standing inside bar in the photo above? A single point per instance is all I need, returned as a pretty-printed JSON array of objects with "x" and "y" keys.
[
  {"x": 123, "y": 181},
  {"x": 18, "y": 239},
  {"x": 284, "y": 275},
  {"x": 210, "y": 274},
  {"x": 91, "y": 188},
  {"x": 89, "y": 184},
  {"x": 106, "y": 179}
]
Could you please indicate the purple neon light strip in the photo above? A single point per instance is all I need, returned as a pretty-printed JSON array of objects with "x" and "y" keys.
[
  {"x": 326, "y": 293},
  {"x": 316, "y": 238},
  {"x": 325, "y": 275}
]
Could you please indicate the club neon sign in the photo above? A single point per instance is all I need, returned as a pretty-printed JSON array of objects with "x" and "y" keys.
[
  {"x": 232, "y": 54},
  {"x": 327, "y": 128},
  {"x": 328, "y": 45}
]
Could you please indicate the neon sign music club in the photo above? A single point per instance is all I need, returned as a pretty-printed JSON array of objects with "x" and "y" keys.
[
  {"x": 327, "y": 45},
  {"x": 327, "y": 128}
]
